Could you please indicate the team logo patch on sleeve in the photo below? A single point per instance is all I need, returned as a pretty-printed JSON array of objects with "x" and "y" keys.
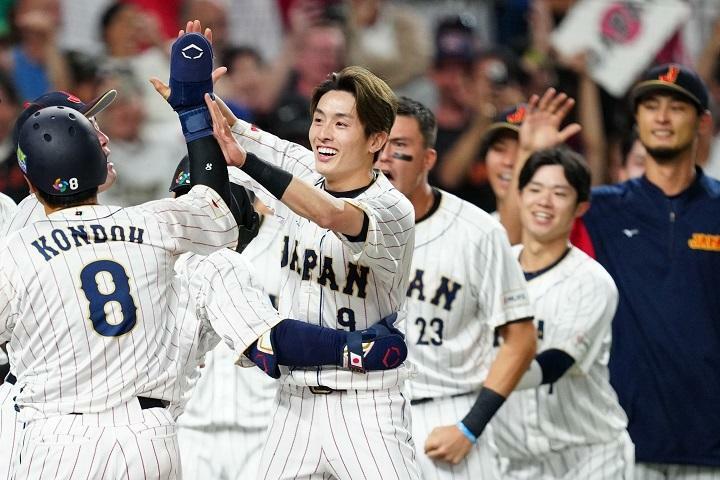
[
  {"x": 515, "y": 298},
  {"x": 704, "y": 241}
]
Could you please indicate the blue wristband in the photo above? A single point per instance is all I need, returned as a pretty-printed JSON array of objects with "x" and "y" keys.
[{"x": 468, "y": 434}]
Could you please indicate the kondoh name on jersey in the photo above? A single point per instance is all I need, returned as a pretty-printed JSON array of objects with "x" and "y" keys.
[{"x": 63, "y": 239}]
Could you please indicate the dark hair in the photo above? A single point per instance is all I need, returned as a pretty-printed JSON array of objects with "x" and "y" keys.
[
  {"x": 109, "y": 15},
  {"x": 408, "y": 107},
  {"x": 66, "y": 201},
  {"x": 231, "y": 53},
  {"x": 576, "y": 170},
  {"x": 375, "y": 102}
]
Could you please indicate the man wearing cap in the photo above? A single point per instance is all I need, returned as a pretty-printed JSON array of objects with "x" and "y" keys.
[
  {"x": 30, "y": 209},
  {"x": 659, "y": 238}
]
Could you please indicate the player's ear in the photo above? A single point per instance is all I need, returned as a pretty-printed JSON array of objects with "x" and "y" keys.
[
  {"x": 376, "y": 141},
  {"x": 581, "y": 209},
  {"x": 430, "y": 158}
]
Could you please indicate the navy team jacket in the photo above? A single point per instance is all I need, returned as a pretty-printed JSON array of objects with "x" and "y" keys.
[{"x": 664, "y": 255}]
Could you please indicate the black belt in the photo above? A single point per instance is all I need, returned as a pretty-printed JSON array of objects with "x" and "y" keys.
[
  {"x": 11, "y": 379},
  {"x": 420, "y": 401},
  {"x": 145, "y": 403},
  {"x": 323, "y": 390}
]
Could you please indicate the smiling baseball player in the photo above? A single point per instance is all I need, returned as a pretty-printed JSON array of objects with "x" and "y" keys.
[
  {"x": 568, "y": 424},
  {"x": 456, "y": 304},
  {"x": 346, "y": 254}
]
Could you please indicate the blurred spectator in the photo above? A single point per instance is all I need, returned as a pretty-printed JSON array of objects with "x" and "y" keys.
[
  {"x": 320, "y": 50},
  {"x": 451, "y": 76},
  {"x": 497, "y": 80},
  {"x": 212, "y": 14},
  {"x": 125, "y": 30},
  {"x": 142, "y": 160},
  {"x": 391, "y": 41},
  {"x": 79, "y": 30},
  {"x": 633, "y": 156},
  {"x": 166, "y": 14},
  {"x": 242, "y": 87},
  {"x": 257, "y": 24},
  {"x": 35, "y": 63},
  {"x": 84, "y": 73},
  {"x": 12, "y": 182}
]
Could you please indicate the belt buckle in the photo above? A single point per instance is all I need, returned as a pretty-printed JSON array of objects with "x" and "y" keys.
[{"x": 321, "y": 390}]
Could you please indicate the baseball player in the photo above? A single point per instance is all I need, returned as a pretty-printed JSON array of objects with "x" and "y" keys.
[
  {"x": 346, "y": 255},
  {"x": 222, "y": 430},
  {"x": 655, "y": 235},
  {"x": 112, "y": 267},
  {"x": 27, "y": 212},
  {"x": 569, "y": 424},
  {"x": 29, "y": 209},
  {"x": 465, "y": 285}
]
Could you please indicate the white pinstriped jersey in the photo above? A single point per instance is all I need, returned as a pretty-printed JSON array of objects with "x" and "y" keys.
[
  {"x": 226, "y": 302},
  {"x": 84, "y": 298},
  {"x": 464, "y": 283},
  {"x": 7, "y": 209},
  {"x": 330, "y": 281},
  {"x": 574, "y": 304},
  {"x": 29, "y": 210},
  {"x": 227, "y": 396}
]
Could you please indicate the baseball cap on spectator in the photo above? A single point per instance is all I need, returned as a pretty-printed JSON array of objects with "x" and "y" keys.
[
  {"x": 673, "y": 78},
  {"x": 455, "y": 39},
  {"x": 63, "y": 99},
  {"x": 506, "y": 122}
]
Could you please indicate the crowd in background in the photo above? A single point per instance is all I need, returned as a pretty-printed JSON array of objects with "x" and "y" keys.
[{"x": 467, "y": 60}]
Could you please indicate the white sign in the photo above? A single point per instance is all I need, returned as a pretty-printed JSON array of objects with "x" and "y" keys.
[{"x": 621, "y": 37}]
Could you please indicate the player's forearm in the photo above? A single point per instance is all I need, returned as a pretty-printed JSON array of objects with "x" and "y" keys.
[
  {"x": 309, "y": 202},
  {"x": 207, "y": 166},
  {"x": 510, "y": 210},
  {"x": 513, "y": 358},
  {"x": 284, "y": 154},
  {"x": 323, "y": 209}
]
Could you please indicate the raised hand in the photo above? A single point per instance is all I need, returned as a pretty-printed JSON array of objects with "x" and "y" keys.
[
  {"x": 541, "y": 126},
  {"x": 192, "y": 26},
  {"x": 232, "y": 151}
]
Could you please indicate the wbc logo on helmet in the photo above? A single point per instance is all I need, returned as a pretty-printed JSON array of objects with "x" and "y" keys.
[{"x": 671, "y": 75}]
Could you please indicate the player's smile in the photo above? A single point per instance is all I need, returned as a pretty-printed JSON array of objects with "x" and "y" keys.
[{"x": 339, "y": 143}]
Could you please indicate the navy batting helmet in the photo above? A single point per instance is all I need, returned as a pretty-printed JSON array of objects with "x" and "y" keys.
[{"x": 59, "y": 152}]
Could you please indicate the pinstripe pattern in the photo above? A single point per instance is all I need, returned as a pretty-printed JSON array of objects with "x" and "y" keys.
[
  {"x": 367, "y": 436},
  {"x": 575, "y": 427},
  {"x": 330, "y": 281},
  {"x": 122, "y": 444},
  {"x": 28, "y": 211},
  {"x": 7, "y": 210},
  {"x": 479, "y": 462},
  {"x": 9, "y": 429},
  {"x": 222, "y": 430},
  {"x": 63, "y": 365},
  {"x": 318, "y": 263},
  {"x": 656, "y": 471},
  {"x": 464, "y": 283},
  {"x": 606, "y": 461}
]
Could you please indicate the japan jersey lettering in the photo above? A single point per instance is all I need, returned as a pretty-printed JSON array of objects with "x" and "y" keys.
[{"x": 464, "y": 283}]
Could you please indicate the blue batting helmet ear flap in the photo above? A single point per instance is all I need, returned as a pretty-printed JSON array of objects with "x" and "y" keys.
[{"x": 59, "y": 152}]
